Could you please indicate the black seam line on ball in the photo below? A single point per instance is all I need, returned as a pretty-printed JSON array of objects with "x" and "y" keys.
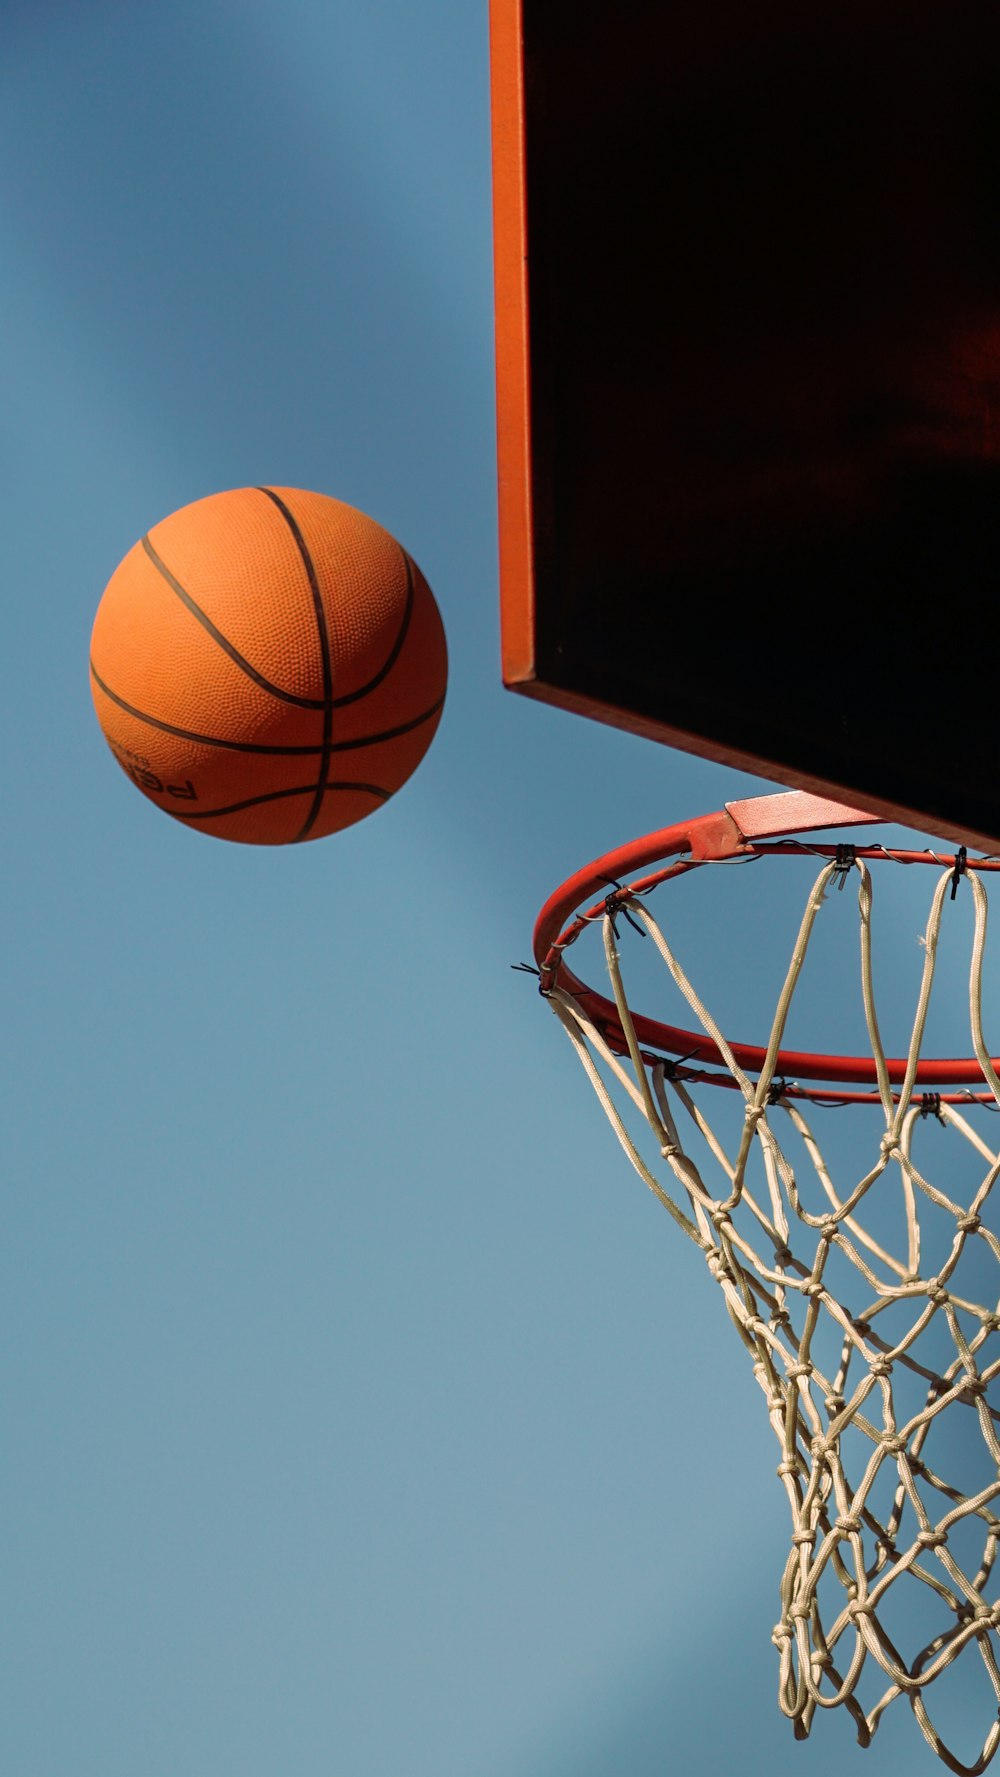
[
  {"x": 247, "y": 746},
  {"x": 305, "y": 703},
  {"x": 319, "y": 610},
  {"x": 210, "y": 740},
  {"x": 397, "y": 646},
  {"x": 369, "y": 740},
  {"x": 211, "y": 814}
]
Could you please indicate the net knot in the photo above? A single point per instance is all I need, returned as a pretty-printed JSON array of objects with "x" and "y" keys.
[
  {"x": 860, "y": 1607},
  {"x": 890, "y": 1144},
  {"x": 932, "y": 1539},
  {"x": 894, "y": 1444},
  {"x": 969, "y": 1224},
  {"x": 834, "y": 1403},
  {"x": 803, "y": 1538},
  {"x": 848, "y": 1524},
  {"x": 782, "y": 1255},
  {"x": 881, "y": 1366},
  {"x": 790, "y": 1467},
  {"x": 829, "y": 1228},
  {"x": 819, "y": 1446},
  {"x": 814, "y": 1288},
  {"x": 989, "y": 1614},
  {"x": 937, "y": 1293},
  {"x": 973, "y": 1386},
  {"x": 798, "y": 1370},
  {"x": 754, "y": 1114}
]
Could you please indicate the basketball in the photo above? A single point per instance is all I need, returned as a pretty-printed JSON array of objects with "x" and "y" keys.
[{"x": 268, "y": 665}]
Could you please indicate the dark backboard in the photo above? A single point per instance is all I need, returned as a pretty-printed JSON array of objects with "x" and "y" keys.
[{"x": 748, "y": 354}]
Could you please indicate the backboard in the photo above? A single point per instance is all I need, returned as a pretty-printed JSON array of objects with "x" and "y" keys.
[{"x": 748, "y": 360}]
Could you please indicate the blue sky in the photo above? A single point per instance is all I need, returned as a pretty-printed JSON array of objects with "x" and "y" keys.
[{"x": 365, "y": 1414}]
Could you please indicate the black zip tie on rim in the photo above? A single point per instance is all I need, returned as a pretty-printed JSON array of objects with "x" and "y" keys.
[
  {"x": 527, "y": 969},
  {"x": 959, "y": 871},
  {"x": 844, "y": 861},
  {"x": 930, "y": 1105},
  {"x": 672, "y": 1065},
  {"x": 614, "y": 904}
]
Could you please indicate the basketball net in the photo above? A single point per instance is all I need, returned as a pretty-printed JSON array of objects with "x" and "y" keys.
[{"x": 853, "y": 1298}]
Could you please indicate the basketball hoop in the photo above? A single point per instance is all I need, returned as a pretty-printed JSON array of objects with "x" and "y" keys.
[{"x": 857, "y": 1301}]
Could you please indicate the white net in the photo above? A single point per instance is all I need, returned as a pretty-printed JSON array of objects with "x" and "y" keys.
[{"x": 870, "y": 1313}]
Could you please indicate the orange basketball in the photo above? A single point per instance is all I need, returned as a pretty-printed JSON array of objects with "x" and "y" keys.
[{"x": 268, "y": 665}]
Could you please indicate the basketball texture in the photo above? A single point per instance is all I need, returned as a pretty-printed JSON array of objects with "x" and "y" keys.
[{"x": 268, "y": 665}]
